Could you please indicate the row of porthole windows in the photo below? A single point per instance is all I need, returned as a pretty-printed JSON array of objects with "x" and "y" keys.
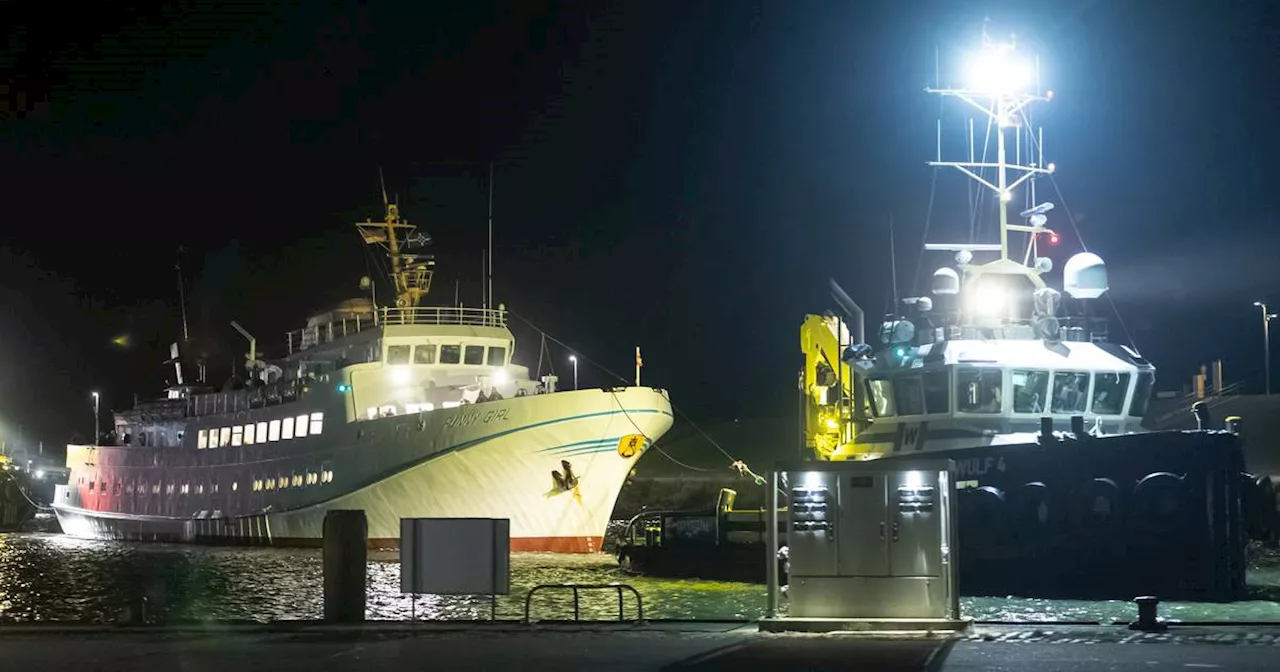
[
  {"x": 294, "y": 480},
  {"x": 261, "y": 432}
]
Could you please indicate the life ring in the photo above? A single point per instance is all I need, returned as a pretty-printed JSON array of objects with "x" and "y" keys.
[
  {"x": 1096, "y": 507},
  {"x": 1160, "y": 502},
  {"x": 1034, "y": 513}
]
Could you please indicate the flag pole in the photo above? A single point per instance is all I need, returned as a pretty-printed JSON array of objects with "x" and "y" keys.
[{"x": 639, "y": 363}]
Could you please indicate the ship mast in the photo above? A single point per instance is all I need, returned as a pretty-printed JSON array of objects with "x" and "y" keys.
[
  {"x": 410, "y": 273},
  {"x": 998, "y": 87}
]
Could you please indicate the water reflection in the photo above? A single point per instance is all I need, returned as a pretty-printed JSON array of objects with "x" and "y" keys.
[{"x": 54, "y": 577}]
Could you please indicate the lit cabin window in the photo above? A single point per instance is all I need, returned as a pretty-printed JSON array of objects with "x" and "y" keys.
[
  {"x": 237, "y": 436},
  {"x": 474, "y": 355},
  {"x": 200, "y": 489},
  {"x": 1109, "y": 390},
  {"x": 418, "y": 408},
  {"x": 273, "y": 431},
  {"x": 317, "y": 422},
  {"x": 908, "y": 395},
  {"x": 261, "y": 432},
  {"x": 213, "y": 438},
  {"x": 397, "y": 354},
  {"x": 257, "y": 485},
  {"x": 937, "y": 391},
  {"x": 300, "y": 426},
  {"x": 881, "y": 398},
  {"x": 1142, "y": 394},
  {"x": 186, "y": 487},
  {"x": 1070, "y": 390},
  {"x": 424, "y": 354},
  {"x": 283, "y": 482},
  {"x": 1030, "y": 390},
  {"x": 497, "y": 357},
  {"x": 225, "y": 438},
  {"x": 235, "y": 485},
  {"x": 450, "y": 354},
  {"x": 286, "y": 429},
  {"x": 249, "y": 434},
  {"x": 270, "y": 484},
  {"x": 296, "y": 481},
  {"x": 202, "y": 439},
  {"x": 978, "y": 390}
]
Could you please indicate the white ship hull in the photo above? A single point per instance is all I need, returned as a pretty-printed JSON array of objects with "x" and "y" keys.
[{"x": 490, "y": 460}]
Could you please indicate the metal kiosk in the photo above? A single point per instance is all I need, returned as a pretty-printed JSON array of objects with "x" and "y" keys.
[{"x": 871, "y": 546}]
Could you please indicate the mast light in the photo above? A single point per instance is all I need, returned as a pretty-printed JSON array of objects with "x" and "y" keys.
[{"x": 995, "y": 70}]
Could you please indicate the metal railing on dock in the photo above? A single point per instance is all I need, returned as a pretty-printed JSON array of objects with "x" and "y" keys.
[{"x": 577, "y": 608}]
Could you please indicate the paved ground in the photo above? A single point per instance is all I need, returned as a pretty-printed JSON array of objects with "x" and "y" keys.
[{"x": 679, "y": 646}]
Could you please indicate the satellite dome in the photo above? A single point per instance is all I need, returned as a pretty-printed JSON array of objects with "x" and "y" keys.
[
  {"x": 1085, "y": 276},
  {"x": 946, "y": 281}
]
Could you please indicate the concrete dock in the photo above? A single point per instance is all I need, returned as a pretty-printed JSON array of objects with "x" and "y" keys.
[{"x": 616, "y": 648}]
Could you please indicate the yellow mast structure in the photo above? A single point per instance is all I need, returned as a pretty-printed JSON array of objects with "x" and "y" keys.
[{"x": 410, "y": 273}]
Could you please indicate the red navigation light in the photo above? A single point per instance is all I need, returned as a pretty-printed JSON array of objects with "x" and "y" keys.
[{"x": 1053, "y": 239}]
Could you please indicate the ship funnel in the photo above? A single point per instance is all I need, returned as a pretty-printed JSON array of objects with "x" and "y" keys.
[{"x": 1085, "y": 276}]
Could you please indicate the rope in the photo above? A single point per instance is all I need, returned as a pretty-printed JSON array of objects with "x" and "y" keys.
[
  {"x": 928, "y": 220},
  {"x": 735, "y": 463}
]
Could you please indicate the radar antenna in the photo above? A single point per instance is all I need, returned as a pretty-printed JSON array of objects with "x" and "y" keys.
[{"x": 410, "y": 273}]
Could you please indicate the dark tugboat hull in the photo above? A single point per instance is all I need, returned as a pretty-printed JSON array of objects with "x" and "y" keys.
[{"x": 1160, "y": 513}]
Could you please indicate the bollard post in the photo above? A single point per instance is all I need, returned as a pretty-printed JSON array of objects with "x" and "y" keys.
[
  {"x": 1077, "y": 426},
  {"x": 1046, "y": 429},
  {"x": 346, "y": 553},
  {"x": 1203, "y": 419},
  {"x": 1234, "y": 423},
  {"x": 1148, "y": 620}
]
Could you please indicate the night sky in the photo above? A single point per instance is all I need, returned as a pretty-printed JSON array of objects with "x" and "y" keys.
[{"x": 681, "y": 175}]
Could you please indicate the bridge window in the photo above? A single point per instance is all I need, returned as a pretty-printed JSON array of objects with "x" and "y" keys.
[
  {"x": 249, "y": 434},
  {"x": 450, "y": 354},
  {"x": 397, "y": 354},
  {"x": 261, "y": 432},
  {"x": 908, "y": 395},
  {"x": 1109, "y": 390},
  {"x": 937, "y": 388},
  {"x": 1142, "y": 394},
  {"x": 497, "y": 357},
  {"x": 1070, "y": 390},
  {"x": 213, "y": 438},
  {"x": 424, "y": 354},
  {"x": 300, "y": 426},
  {"x": 317, "y": 422},
  {"x": 1030, "y": 391},
  {"x": 286, "y": 429},
  {"x": 474, "y": 355},
  {"x": 881, "y": 398},
  {"x": 978, "y": 390},
  {"x": 273, "y": 430},
  {"x": 202, "y": 439},
  {"x": 225, "y": 436},
  {"x": 237, "y": 435}
]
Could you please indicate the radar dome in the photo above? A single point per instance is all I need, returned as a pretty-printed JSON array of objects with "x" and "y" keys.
[
  {"x": 1044, "y": 264},
  {"x": 946, "y": 281},
  {"x": 1085, "y": 276}
]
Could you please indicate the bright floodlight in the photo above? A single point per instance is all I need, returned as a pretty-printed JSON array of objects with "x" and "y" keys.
[
  {"x": 996, "y": 70},
  {"x": 988, "y": 299},
  {"x": 500, "y": 377}
]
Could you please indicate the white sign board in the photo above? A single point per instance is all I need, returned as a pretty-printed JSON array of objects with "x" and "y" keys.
[{"x": 455, "y": 556}]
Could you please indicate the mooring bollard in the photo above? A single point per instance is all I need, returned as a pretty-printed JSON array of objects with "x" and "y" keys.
[
  {"x": 1147, "y": 615},
  {"x": 346, "y": 553},
  {"x": 1077, "y": 426},
  {"x": 1046, "y": 429}
]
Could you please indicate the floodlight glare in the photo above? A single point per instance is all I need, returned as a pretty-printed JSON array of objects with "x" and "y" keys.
[{"x": 995, "y": 70}]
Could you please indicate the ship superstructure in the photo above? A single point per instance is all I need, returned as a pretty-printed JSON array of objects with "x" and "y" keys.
[{"x": 403, "y": 411}]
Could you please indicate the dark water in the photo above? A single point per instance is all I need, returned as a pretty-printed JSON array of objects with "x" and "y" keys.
[{"x": 51, "y": 577}]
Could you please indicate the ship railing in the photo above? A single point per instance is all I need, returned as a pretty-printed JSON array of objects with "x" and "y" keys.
[
  {"x": 327, "y": 332},
  {"x": 576, "y": 588}
]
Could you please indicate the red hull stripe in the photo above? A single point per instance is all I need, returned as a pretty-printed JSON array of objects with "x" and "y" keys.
[{"x": 518, "y": 544}]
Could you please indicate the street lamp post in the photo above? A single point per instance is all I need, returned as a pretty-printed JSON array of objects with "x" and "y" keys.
[
  {"x": 95, "y": 418},
  {"x": 573, "y": 359},
  {"x": 1267, "y": 316}
]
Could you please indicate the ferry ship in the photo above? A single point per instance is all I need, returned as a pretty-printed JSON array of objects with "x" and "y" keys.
[
  {"x": 402, "y": 411},
  {"x": 1061, "y": 492}
]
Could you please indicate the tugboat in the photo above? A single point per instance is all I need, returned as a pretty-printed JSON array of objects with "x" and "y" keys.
[
  {"x": 403, "y": 411},
  {"x": 989, "y": 371}
]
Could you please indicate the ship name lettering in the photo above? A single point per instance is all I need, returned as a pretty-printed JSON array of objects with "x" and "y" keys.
[
  {"x": 978, "y": 466},
  {"x": 468, "y": 419}
]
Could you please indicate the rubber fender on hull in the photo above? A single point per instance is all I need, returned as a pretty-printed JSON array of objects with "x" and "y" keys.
[
  {"x": 982, "y": 516},
  {"x": 1160, "y": 502},
  {"x": 1034, "y": 513},
  {"x": 1096, "y": 507}
]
